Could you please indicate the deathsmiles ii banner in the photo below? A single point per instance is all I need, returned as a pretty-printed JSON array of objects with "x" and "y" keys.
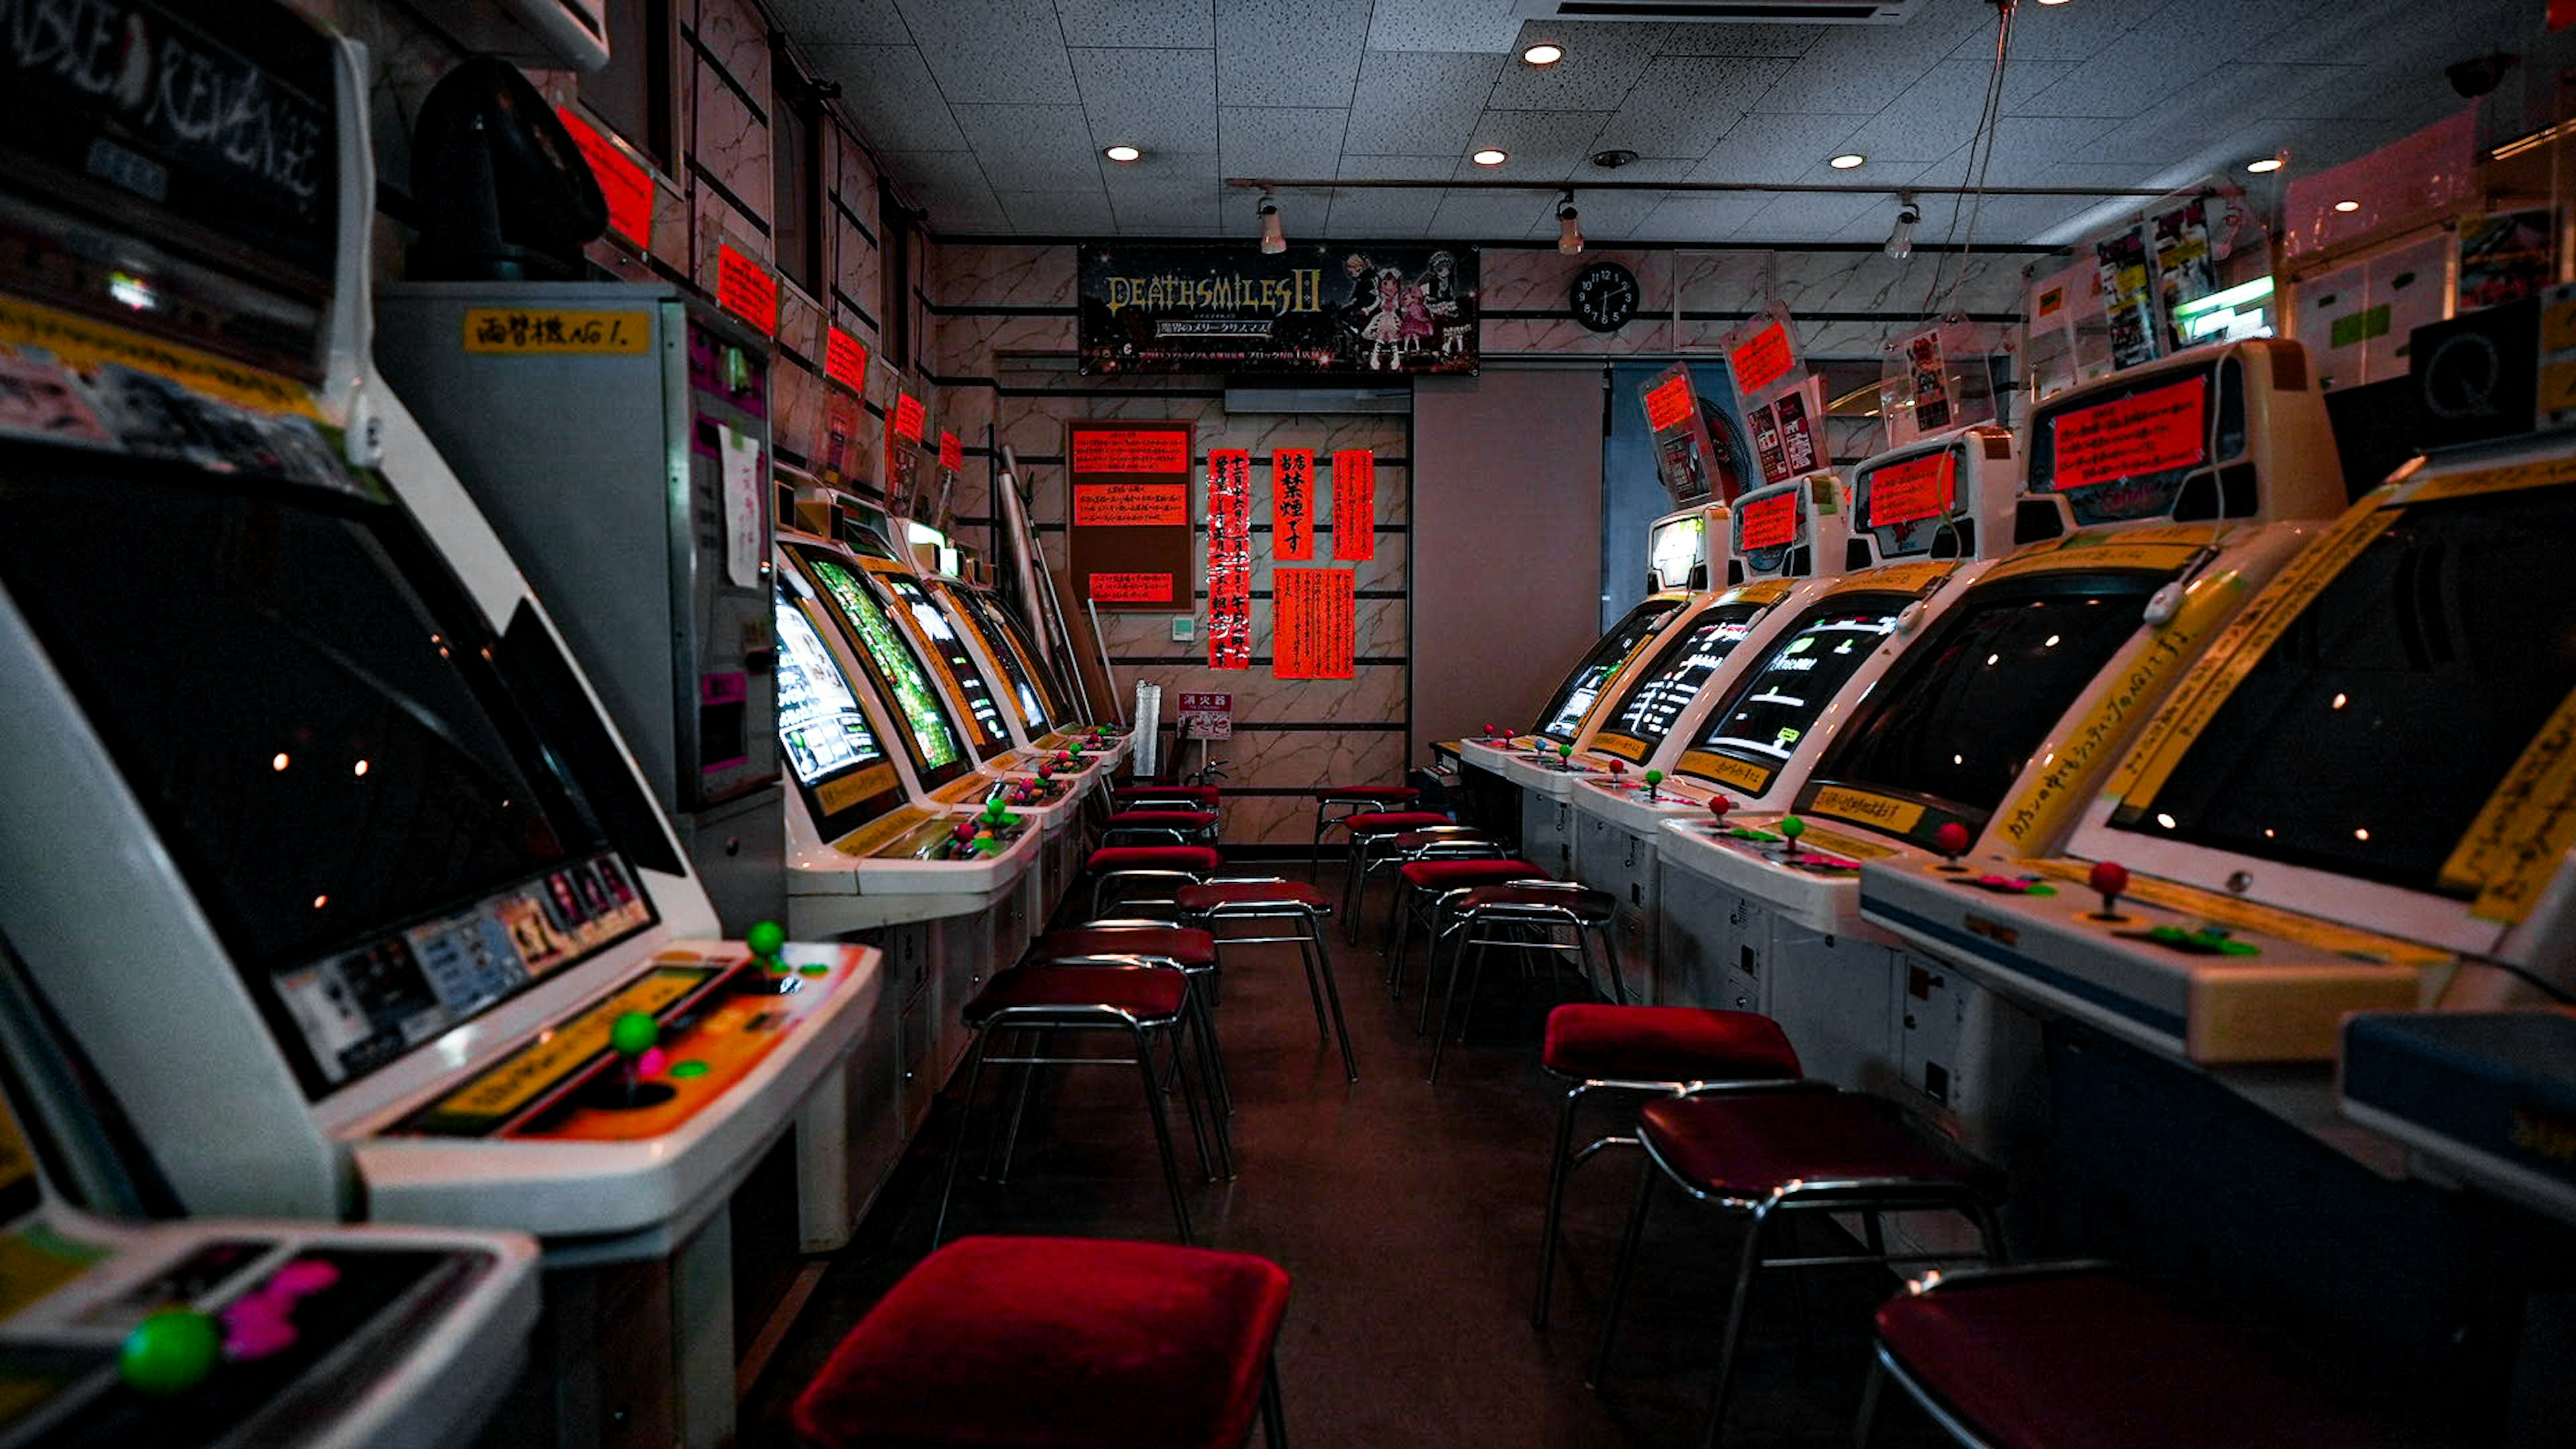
[{"x": 1340, "y": 307}]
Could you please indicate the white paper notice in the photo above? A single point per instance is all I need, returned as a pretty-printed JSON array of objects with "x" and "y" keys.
[{"x": 742, "y": 514}]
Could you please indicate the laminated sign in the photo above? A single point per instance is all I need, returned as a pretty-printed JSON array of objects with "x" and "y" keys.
[
  {"x": 1229, "y": 631},
  {"x": 1312, "y": 610},
  {"x": 1128, "y": 509},
  {"x": 1292, "y": 504}
]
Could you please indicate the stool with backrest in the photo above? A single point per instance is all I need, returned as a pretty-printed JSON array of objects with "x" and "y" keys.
[
  {"x": 1647, "y": 1051},
  {"x": 2081, "y": 1354},
  {"x": 1778, "y": 1154},
  {"x": 1335, "y": 803},
  {"x": 1524, "y": 915},
  {"x": 1211, "y": 904},
  {"x": 1059, "y": 1343},
  {"x": 1144, "y": 1003}
]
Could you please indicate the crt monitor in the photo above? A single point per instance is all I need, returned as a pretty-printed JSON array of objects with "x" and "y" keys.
[
  {"x": 931, "y": 738},
  {"x": 823, "y": 734},
  {"x": 1028, "y": 695},
  {"x": 1563, "y": 717},
  {"x": 951, "y": 659},
  {"x": 1668, "y": 683},
  {"x": 1787, "y": 690}
]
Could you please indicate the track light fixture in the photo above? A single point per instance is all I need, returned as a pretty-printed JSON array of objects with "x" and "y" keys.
[
  {"x": 1273, "y": 240},
  {"x": 1569, "y": 231},
  {"x": 1900, "y": 242}
]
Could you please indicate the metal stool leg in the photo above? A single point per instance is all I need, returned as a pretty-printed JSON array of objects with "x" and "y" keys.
[
  {"x": 1449, "y": 1008},
  {"x": 1021, "y": 1090},
  {"x": 1323, "y": 965},
  {"x": 1163, "y": 1131},
  {"x": 1274, "y": 1418},
  {"x": 1746, "y": 1267},
  {"x": 1559, "y": 1168},
  {"x": 1628, "y": 1242},
  {"x": 957, "y": 1152},
  {"x": 1869, "y": 1392}
]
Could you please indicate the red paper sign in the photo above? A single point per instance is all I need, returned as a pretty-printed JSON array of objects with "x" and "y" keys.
[
  {"x": 845, "y": 360},
  {"x": 1760, "y": 360},
  {"x": 1130, "y": 505},
  {"x": 1229, "y": 569},
  {"x": 2156, "y": 430},
  {"x": 1767, "y": 522},
  {"x": 1292, "y": 504},
  {"x": 1132, "y": 588},
  {"x": 907, "y": 417},
  {"x": 746, "y": 289},
  {"x": 952, "y": 454},
  {"x": 1670, "y": 403},
  {"x": 1103, "y": 451},
  {"x": 625, "y": 183},
  {"x": 1355, "y": 504},
  {"x": 1916, "y": 488},
  {"x": 1312, "y": 611}
]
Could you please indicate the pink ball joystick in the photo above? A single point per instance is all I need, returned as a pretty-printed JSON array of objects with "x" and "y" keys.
[{"x": 2111, "y": 880}]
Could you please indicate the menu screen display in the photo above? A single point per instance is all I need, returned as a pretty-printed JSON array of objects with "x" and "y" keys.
[
  {"x": 1563, "y": 717},
  {"x": 935, "y": 746},
  {"x": 820, "y": 725},
  {"x": 975, "y": 614},
  {"x": 1676, "y": 675},
  {"x": 1787, "y": 692},
  {"x": 982, "y": 709}
]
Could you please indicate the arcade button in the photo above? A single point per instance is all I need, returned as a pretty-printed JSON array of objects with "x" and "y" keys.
[
  {"x": 2207, "y": 941},
  {"x": 169, "y": 1352},
  {"x": 2011, "y": 885},
  {"x": 2109, "y": 879},
  {"x": 1952, "y": 840},
  {"x": 688, "y": 1068}
]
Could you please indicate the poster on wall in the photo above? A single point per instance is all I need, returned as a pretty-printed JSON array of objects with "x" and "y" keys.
[
  {"x": 1229, "y": 558},
  {"x": 1767, "y": 446},
  {"x": 1685, "y": 456},
  {"x": 2186, "y": 271},
  {"x": 1355, "y": 504},
  {"x": 1798, "y": 412},
  {"x": 1313, "y": 623},
  {"x": 1340, "y": 307},
  {"x": 2129, "y": 296},
  {"x": 2505, "y": 256},
  {"x": 1292, "y": 504},
  {"x": 1127, "y": 513}
]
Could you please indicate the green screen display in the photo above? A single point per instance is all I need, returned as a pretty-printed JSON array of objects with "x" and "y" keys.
[{"x": 902, "y": 672}]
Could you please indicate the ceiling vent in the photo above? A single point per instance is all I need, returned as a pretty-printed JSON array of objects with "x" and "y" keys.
[{"x": 1724, "y": 12}]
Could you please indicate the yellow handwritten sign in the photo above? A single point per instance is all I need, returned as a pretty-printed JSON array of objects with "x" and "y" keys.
[
  {"x": 2541, "y": 473},
  {"x": 866, "y": 839},
  {"x": 2150, "y": 550},
  {"x": 838, "y": 795},
  {"x": 1760, "y": 591},
  {"x": 1631, "y": 750},
  {"x": 1726, "y": 770},
  {"x": 1904, "y": 578},
  {"x": 521, "y": 1077},
  {"x": 556, "y": 331},
  {"x": 2523, "y": 831},
  {"x": 1834, "y": 842},
  {"x": 1865, "y": 807},
  {"x": 81, "y": 344}
]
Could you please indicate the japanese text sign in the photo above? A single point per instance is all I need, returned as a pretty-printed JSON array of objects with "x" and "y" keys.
[
  {"x": 2156, "y": 430},
  {"x": 1292, "y": 504},
  {"x": 1229, "y": 558},
  {"x": 1355, "y": 504},
  {"x": 1128, "y": 506},
  {"x": 1312, "y": 609}
]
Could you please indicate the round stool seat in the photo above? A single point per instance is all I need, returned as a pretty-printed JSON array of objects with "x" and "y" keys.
[
  {"x": 1396, "y": 794},
  {"x": 1205, "y": 795},
  {"x": 1598, "y": 1042},
  {"x": 1750, "y": 1148},
  {"x": 1379, "y": 822},
  {"x": 1055, "y": 1343},
  {"x": 1195, "y": 859},
  {"x": 1217, "y": 895},
  {"x": 1178, "y": 944},
  {"x": 1452, "y": 874},
  {"x": 1162, "y": 820},
  {"x": 1550, "y": 901},
  {"x": 2093, "y": 1357},
  {"x": 1441, "y": 835},
  {"x": 1148, "y": 993}
]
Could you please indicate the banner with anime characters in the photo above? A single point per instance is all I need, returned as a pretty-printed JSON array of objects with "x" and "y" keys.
[{"x": 1346, "y": 308}]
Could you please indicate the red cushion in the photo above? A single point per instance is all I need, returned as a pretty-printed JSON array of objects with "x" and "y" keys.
[
  {"x": 1665, "y": 1044},
  {"x": 2094, "y": 1358},
  {"x": 1752, "y": 1146},
  {"x": 1454, "y": 835},
  {"x": 1162, "y": 819},
  {"x": 1204, "y": 794},
  {"x": 1180, "y": 943},
  {"x": 1151, "y": 992},
  {"x": 1396, "y": 820},
  {"x": 1196, "y": 859},
  {"x": 1368, "y": 792},
  {"x": 1246, "y": 893},
  {"x": 1055, "y": 1343},
  {"x": 1589, "y": 905},
  {"x": 1450, "y": 874}
]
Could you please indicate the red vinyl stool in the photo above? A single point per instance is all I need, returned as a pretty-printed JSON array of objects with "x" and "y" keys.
[
  {"x": 1146, "y": 795},
  {"x": 1059, "y": 1343},
  {"x": 1426, "y": 889},
  {"x": 1154, "y": 943},
  {"x": 1769, "y": 1154},
  {"x": 1651, "y": 1049},
  {"x": 1144, "y": 1002},
  {"x": 1369, "y": 832},
  {"x": 1159, "y": 827},
  {"x": 2077, "y": 1354},
  {"x": 1432, "y": 842},
  {"x": 1169, "y": 865},
  {"x": 1335, "y": 803},
  {"x": 1278, "y": 900},
  {"x": 1525, "y": 915}
]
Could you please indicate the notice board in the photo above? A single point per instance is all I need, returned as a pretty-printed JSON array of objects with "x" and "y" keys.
[
  {"x": 1127, "y": 515},
  {"x": 1312, "y": 614}
]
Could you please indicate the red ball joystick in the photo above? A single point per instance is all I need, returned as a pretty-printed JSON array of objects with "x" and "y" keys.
[
  {"x": 1952, "y": 841},
  {"x": 1718, "y": 806},
  {"x": 2110, "y": 879}
]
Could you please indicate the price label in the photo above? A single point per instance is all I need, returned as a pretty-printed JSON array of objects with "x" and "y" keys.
[
  {"x": 908, "y": 417},
  {"x": 952, "y": 455},
  {"x": 1669, "y": 403},
  {"x": 1132, "y": 588},
  {"x": 1761, "y": 360},
  {"x": 1131, "y": 505},
  {"x": 1103, "y": 451},
  {"x": 623, "y": 181}
]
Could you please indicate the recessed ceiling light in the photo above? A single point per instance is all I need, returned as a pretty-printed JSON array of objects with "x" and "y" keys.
[
  {"x": 1544, "y": 53},
  {"x": 2347, "y": 205},
  {"x": 2052, "y": 2},
  {"x": 1847, "y": 161},
  {"x": 2263, "y": 164},
  {"x": 1121, "y": 153},
  {"x": 1490, "y": 156}
]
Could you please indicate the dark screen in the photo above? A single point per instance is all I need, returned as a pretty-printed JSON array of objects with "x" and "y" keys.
[
  {"x": 1563, "y": 717},
  {"x": 1958, "y": 715},
  {"x": 978, "y": 616},
  {"x": 1673, "y": 680},
  {"x": 1775, "y": 707},
  {"x": 2370, "y": 734}
]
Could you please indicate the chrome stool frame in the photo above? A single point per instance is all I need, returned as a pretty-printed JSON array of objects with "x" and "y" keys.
[
  {"x": 1522, "y": 921},
  {"x": 1312, "y": 951}
]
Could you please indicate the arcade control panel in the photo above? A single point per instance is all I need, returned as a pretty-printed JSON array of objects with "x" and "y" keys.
[
  {"x": 2487, "y": 1095},
  {"x": 2192, "y": 973}
]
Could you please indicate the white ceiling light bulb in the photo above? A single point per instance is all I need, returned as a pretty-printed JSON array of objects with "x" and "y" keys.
[
  {"x": 2264, "y": 165},
  {"x": 1546, "y": 52},
  {"x": 1569, "y": 231},
  {"x": 1490, "y": 156},
  {"x": 1273, "y": 240},
  {"x": 1900, "y": 242},
  {"x": 1847, "y": 161},
  {"x": 1121, "y": 152}
]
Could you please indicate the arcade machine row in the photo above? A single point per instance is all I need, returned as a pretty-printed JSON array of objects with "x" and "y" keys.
[{"x": 420, "y": 946}]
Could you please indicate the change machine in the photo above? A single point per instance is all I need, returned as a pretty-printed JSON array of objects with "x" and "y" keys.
[
  {"x": 617, "y": 435},
  {"x": 299, "y": 762}
]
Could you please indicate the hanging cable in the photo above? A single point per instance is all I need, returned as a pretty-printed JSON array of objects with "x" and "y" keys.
[{"x": 1981, "y": 156}]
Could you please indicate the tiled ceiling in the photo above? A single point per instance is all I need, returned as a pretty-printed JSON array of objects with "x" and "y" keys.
[{"x": 991, "y": 114}]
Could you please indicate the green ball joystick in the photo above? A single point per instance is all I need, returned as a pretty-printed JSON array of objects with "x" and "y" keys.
[
  {"x": 170, "y": 1352},
  {"x": 633, "y": 1034},
  {"x": 766, "y": 939},
  {"x": 1653, "y": 778},
  {"x": 1565, "y": 754},
  {"x": 1792, "y": 827}
]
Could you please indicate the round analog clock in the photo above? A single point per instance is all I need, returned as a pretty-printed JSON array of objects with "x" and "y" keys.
[{"x": 1605, "y": 296}]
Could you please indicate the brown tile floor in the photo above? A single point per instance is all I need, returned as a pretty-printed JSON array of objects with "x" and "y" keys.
[{"x": 1409, "y": 1217}]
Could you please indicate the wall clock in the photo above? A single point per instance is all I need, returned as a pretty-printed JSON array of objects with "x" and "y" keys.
[{"x": 1605, "y": 296}]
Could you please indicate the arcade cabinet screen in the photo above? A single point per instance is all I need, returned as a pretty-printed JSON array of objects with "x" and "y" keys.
[
  {"x": 951, "y": 647},
  {"x": 1678, "y": 548},
  {"x": 1775, "y": 707},
  {"x": 978, "y": 616},
  {"x": 304, "y": 700},
  {"x": 1674, "y": 678},
  {"x": 1563, "y": 717},
  {"x": 1908, "y": 505},
  {"x": 2369, "y": 736},
  {"x": 1960, "y": 713},
  {"x": 935, "y": 746},
  {"x": 2125, "y": 451}
]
